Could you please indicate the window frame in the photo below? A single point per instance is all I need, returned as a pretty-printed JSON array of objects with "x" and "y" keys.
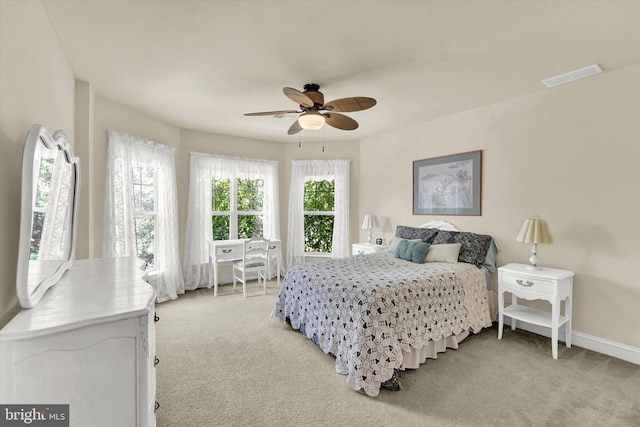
[
  {"x": 331, "y": 213},
  {"x": 234, "y": 213},
  {"x": 146, "y": 214}
]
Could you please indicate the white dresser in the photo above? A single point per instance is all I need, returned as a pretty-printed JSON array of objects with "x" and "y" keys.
[{"x": 89, "y": 343}]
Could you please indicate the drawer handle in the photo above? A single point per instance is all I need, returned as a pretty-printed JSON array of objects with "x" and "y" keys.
[
  {"x": 156, "y": 407},
  {"x": 155, "y": 317},
  {"x": 521, "y": 283},
  {"x": 361, "y": 252},
  {"x": 227, "y": 251},
  {"x": 156, "y": 361},
  {"x": 272, "y": 247}
]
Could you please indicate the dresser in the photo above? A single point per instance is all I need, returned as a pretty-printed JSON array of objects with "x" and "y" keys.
[
  {"x": 550, "y": 284},
  {"x": 89, "y": 343}
]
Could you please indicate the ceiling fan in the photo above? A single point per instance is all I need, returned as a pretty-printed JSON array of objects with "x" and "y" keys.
[{"x": 315, "y": 113}]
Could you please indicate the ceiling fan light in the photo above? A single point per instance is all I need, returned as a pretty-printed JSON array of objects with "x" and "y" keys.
[{"x": 311, "y": 121}]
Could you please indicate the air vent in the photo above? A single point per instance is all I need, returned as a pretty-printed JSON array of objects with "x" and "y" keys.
[{"x": 572, "y": 75}]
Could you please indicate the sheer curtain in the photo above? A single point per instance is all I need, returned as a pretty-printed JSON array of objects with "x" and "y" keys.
[
  {"x": 204, "y": 168},
  {"x": 301, "y": 171},
  {"x": 126, "y": 152}
]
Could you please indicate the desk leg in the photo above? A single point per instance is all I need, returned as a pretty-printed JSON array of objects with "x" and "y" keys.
[
  {"x": 567, "y": 325},
  {"x": 500, "y": 315},
  {"x": 555, "y": 319},
  {"x": 278, "y": 272},
  {"x": 215, "y": 278}
]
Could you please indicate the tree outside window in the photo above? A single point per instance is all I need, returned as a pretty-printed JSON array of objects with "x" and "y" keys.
[
  {"x": 237, "y": 208},
  {"x": 319, "y": 203},
  {"x": 145, "y": 214}
]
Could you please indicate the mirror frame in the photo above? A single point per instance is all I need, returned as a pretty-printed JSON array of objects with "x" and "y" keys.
[{"x": 39, "y": 135}]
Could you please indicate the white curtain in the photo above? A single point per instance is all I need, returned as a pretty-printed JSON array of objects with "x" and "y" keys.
[
  {"x": 203, "y": 169},
  {"x": 301, "y": 171},
  {"x": 126, "y": 152}
]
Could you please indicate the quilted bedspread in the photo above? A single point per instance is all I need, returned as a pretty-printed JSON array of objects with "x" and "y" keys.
[{"x": 366, "y": 309}]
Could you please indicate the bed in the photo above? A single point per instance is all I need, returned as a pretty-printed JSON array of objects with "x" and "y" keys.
[{"x": 379, "y": 313}]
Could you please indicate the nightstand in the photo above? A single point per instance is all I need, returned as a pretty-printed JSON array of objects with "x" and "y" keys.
[
  {"x": 548, "y": 284},
  {"x": 367, "y": 248}
]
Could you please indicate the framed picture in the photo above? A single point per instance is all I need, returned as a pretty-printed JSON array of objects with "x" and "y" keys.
[{"x": 448, "y": 185}]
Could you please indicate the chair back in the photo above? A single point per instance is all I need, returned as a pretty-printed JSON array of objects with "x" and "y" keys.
[{"x": 255, "y": 252}]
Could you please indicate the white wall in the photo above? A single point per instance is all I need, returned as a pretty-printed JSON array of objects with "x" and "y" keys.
[
  {"x": 36, "y": 86},
  {"x": 569, "y": 154}
]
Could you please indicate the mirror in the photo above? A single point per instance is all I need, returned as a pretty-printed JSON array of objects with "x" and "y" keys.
[{"x": 50, "y": 189}]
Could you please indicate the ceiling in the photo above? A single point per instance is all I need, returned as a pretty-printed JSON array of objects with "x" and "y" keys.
[{"x": 202, "y": 64}]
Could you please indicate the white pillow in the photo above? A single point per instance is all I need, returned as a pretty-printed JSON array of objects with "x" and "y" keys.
[
  {"x": 396, "y": 242},
  {"x": 444, "y": 253}
]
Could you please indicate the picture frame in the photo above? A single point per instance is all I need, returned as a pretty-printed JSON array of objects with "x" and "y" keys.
[{"x": 448, "y": 185}]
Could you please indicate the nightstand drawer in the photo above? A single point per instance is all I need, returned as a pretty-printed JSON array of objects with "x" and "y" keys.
[{"x": 528, "y": 283}]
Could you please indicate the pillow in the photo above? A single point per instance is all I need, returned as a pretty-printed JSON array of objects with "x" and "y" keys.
[
  {"x": 474, "y": 246},
  {"x": 444, "y": 253},
  {"x": 403, "y": 251},
  {"x": 396, "y": 241},
  {"x": 419, "y": 252},
  {"x": 412, "y": 251},
  {"x": 491, "y": 260},
  {"x": 425, "y": 234}
]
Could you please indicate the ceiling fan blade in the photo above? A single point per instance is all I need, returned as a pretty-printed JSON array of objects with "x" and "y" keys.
[
  {"x": 298, "y": 97},
  {"x": 345, "y": 105},
  {"x": 295, "y": 128},
  {"x": 272, "y": 113},
  {"x": 340, "y": 121}
]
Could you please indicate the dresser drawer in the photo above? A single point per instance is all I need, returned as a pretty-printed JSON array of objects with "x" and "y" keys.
[
  {"x": 528, "y": 283},
  {"x": 224, "y": 253}
]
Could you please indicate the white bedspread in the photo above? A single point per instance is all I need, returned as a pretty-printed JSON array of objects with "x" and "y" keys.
[{"x": 366, "y": 309}]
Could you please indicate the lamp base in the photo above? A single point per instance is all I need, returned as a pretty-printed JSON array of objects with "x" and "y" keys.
[{"x": 534, "y": 259}]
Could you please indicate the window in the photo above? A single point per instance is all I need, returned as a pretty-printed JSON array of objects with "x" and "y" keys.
[
  {"x": 229, "y": 198},
  {"x": 144, "y": 212},
  {"x": 237, "y": 208},
  {"x": 141, "y": 210},
  {"x": 318, "y": 218},
  {"x": 319, "y": 202}
]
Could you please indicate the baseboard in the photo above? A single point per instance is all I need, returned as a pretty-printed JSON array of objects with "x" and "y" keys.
[{"x": 601, "y": 345}]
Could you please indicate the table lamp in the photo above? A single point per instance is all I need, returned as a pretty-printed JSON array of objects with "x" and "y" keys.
[
  {"x": 534, "y": 230},
  {"x": 370, "y": 222}
]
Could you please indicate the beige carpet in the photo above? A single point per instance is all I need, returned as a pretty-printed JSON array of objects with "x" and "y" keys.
[{"x": 226, "y": 362}]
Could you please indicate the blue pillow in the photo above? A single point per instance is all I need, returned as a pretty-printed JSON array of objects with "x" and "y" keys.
[
  {"x": 404, "y": 249},
  {"x": 412, "y": 251},
  {"x": 419, "y": 252}
]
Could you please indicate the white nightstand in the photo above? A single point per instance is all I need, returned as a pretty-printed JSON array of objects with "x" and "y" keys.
[
  {"x": 367, "y": 248},
  {"x": 548, "y": 284}
]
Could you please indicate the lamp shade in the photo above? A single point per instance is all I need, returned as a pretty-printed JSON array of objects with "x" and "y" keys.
[
  {"x": 311, "y": 121},
  {"x": 370, "y": 221},
  {"x": 534, "y": 230}
]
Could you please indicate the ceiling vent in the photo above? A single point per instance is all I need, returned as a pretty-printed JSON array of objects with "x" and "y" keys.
[{"x": 572, "y": 75}]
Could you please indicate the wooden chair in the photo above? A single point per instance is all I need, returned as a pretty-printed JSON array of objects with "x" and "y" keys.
[{"x": 255, "y": 256}]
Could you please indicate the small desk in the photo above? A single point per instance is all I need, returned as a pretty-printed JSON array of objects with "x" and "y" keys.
[{"x": 225, "y": 251}]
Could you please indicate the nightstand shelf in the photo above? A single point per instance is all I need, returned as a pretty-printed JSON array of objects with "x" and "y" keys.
[
  {"x": 549, "y": 284},
  {"x": 532, "y": 315}
]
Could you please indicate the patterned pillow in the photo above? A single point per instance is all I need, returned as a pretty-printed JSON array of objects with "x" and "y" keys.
[
  {"x": 474, "y": 246},
  {"x": 425, "y": 234}
]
